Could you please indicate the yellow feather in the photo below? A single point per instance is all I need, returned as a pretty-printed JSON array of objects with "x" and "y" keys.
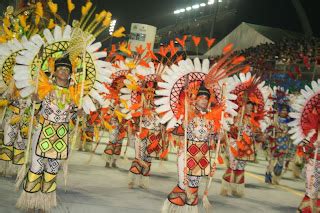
[
  {"x": 4, "y": 103},
  {"x": 119, "y": 115},
  {"x": 71, "y": 6},
  {"x": 15, "y": 119},
  {"x": 96, "y": 133},
  {"x": 124, "y": 102},
  {"x": 107, "y": 126}
]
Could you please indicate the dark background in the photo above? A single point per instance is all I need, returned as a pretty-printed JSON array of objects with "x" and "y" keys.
[{"x": 274, "y": 13}]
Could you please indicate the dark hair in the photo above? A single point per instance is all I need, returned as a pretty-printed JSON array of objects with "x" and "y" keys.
[
  {"x": 203, "y": 91},
  {"x": 63, "y": 62}
]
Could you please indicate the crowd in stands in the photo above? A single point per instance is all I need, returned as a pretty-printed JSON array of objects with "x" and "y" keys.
[
  {"x": 301, "y": 53},
  {"x": 286, "y": 51}
]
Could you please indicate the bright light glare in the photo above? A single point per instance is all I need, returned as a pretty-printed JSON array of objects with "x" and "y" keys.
[{"x": 196, "y": 6}]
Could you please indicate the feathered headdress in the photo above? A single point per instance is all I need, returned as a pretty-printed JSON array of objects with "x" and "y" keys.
[{"x": 306, "y": 113}]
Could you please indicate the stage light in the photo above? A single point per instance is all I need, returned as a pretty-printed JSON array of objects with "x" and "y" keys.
[
  {"x": 202, "y": 4},
  {"x": 182, "y": 10},
  {"x": 176, "y": 12},
  {"x": 196, "y": 6},
  {"x": 220, "y": 1},
  {"x": 188, "y": 8},
  {"x": 210, "y": 2}
]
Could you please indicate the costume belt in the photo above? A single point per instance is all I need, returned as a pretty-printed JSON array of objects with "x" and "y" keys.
[{"x": 42, "y": 119}]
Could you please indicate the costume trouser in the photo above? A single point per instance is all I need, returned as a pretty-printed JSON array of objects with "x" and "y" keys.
[
  {"x": 233, "y": 181},
  {"x": 12, "y": 149},
  {"x": 183, "y": 197},
  {"x": 311, "y": 199},
  {"x": 141, "y": 165},
  {"x": 113, "y": 148},
  {"x": 40, "y": 183}
]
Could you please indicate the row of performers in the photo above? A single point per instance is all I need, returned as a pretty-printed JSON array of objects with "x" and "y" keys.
[{"x": 184, "y": 107}]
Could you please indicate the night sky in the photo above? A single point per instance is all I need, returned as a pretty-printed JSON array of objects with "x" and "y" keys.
[{"x": 274, "y": 13}]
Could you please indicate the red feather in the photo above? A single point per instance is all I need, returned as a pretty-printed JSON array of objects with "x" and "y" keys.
[
  {"x": 196, "y": 40},
  {"x": 210, "y": 41},
  {"x": 227, "y": 48}
]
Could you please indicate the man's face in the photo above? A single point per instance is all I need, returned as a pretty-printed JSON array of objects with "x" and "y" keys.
[
  {"x": 62, "y": 73},
  {"x": 202, "y": 101},
  {"x": 284, "y": 112}
]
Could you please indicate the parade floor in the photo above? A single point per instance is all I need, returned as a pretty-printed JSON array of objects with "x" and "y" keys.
[{"x": 94, "y": 188}]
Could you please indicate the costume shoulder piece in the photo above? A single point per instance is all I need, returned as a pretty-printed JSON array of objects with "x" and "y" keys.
[
  {"x": 306, "y": 113},
  {"x": 61, "y": 41}
]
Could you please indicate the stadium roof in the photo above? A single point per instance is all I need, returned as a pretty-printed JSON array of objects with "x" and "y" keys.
[{"x": 250, "y": 35}]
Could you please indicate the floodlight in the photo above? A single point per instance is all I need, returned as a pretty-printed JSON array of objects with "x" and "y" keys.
[{"x": 196, "y": 6}]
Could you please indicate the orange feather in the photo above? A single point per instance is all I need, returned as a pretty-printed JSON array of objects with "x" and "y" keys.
[
  {"x": 234, "y": 151},
  {"x": 246, "y": 138},
  {"x": 144, "y": 133},
  {"x": 164, "y": 154}
]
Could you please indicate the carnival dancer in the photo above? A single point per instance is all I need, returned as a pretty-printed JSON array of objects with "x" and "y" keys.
[
  {"x": 117, "y": 122},
  {"x": 116, "y": 136},
  {"x": 252, "y": 98},
  {"x": 16, "y": 112},
  {"x": 278, "y": 139},
  {"x": 193, "y": 107},
  {"x": 305, "y": 131},
  {"x": 64, "y": 72},
  {"x": 140, "y": 97},
  {"x": 50, "y": 141}
]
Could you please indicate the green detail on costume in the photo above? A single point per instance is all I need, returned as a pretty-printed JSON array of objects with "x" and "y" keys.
[
  {"x": 45, "y": 145},
  {"x": 59, "y": 145},
  {"x": 49, "y": 131},
  {"x": 53, "y": 140},
  {"x": 62, "y": 131}
]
